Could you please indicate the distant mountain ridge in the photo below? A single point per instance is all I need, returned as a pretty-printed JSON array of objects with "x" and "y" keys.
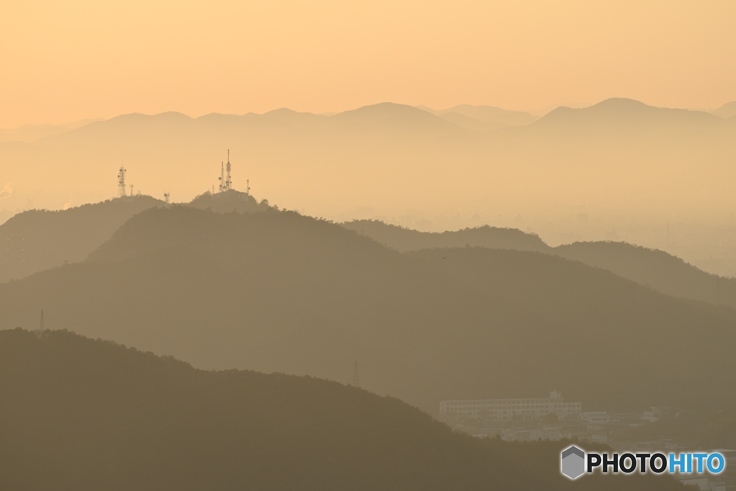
[
  {"x": 34, "y": 132},
  {"x": 281, "y": 292},
  {"x": 726, "y": 111},
  {"x": 404, "y": 239},
  {"x": 463, "y": 116},
  {"x": 482, "y": 117},
  {"x": 614, "y": 111},
  {"x": 403, "y": 154},
  {"x": 619, "y": 113},
  {"x": 656, "y": 269},
  {"x": 368, "y": 117}
]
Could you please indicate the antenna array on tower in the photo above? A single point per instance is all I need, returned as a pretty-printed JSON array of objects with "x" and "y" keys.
[
  {"x": 121, "y": 182},
  {"x": 226, "y": 181}
]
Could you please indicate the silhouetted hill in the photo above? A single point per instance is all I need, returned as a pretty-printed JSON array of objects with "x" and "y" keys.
[
  {"x": 34, "y": 132},
  {"x": 146, "y": 128},
  {"x": 136, "y": 120},
  {"x": 656, "y": 269},
  {"x": 295, "y": 118},
  {"x": 661, "y": 271},
  {"x": 282, "y": 292},
  {"x": 40, "y": 239},
  {"x": 727, "y": 110},
  {"x": 625, "y": 115},
  {"x": 469, "y": 123},
  {"x": 490, "y": 115},
  {"x": 405, "y": 239},
  {"x": 89, "y": 415},
  {"x": 481, "y": 118},
  {"x": 171, "y": 125},
  {"x": 392, "y": 117},
  {"x": 230, "y": 201},
  {"x": 30, "y": 133}
]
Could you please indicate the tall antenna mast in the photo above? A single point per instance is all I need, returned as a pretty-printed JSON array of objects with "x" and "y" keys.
[
  {"x": 228, "y": 180},
  {"x": 121, "y": 182},
  {"x": 356, "y": 380}
]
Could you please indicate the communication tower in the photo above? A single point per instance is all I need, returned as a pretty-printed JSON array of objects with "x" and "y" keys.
[
  {"x": 121, "y": 182},
  {"x": 226, "y": 182}
]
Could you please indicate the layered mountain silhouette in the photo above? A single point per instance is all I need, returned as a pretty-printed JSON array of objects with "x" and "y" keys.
[
  {"x": 392, "y": 117},
  {"x": 277, "y": 291},
  {"x": 395, "y": 157},
  {"x": 404, "y": 239},
  {"x": 482, "y": 117},
  {"x": 88, "y": 415},
  {"x": 727, "y": 110},
  {"x": 626, "y": 116},
  {"x": 34, "y": 132},
  {"x": 40, "y": 239},
  {"x": 653, "y": 268}
]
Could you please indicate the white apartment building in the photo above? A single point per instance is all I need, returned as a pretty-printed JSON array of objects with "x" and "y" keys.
[{"x": 507, "y": 409}]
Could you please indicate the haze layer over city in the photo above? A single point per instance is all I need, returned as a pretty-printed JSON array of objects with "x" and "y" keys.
[{"x": 364, "y": 245}]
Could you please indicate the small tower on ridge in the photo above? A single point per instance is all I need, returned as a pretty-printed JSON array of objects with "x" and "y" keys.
[{"x": 121, "y": 182}]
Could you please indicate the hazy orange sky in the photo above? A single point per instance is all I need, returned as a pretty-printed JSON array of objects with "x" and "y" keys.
[{"x": 65, "y": 61}]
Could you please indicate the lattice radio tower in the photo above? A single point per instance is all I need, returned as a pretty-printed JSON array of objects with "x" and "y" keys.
[
  {"x": 121, "y": 182},
  {"x": 226, "y": 181}
]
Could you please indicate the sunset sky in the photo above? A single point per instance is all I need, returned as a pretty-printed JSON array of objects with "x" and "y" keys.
[{"x": 66, "y": 61}]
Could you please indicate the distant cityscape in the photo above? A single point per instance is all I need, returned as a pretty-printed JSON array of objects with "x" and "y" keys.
[{"x": 554, "y": 418}]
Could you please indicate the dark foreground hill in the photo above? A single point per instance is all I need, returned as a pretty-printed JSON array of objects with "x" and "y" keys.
[
  {"x": 277, "y": 291},
  {"x": 653, "y": 268},
  {"x": 89, "y": 415}
]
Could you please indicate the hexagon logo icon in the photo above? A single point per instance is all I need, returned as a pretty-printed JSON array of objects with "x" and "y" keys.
[{"x": 572, "y": 462}]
